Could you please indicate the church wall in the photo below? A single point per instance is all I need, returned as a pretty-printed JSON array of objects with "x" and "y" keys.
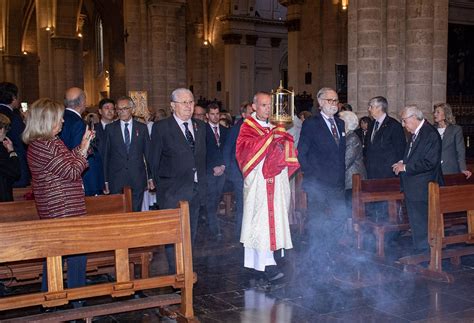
[{"x": 317, "y": 37}]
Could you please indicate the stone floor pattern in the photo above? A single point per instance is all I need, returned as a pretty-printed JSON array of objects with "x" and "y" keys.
[{"x": 361, "y": 289}]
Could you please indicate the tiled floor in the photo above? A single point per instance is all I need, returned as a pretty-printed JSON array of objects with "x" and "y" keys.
[{"x": 357, "y": 289}]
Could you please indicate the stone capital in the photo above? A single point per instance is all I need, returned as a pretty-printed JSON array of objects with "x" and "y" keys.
[
  {"x": 71, "y": 43},
  {"x": 287, "y": 3},
  {"x": 275, "y": 42},
  {"x": 293, "y": 25},
  {"x": 251, "y": 40},
  {"x": 13, "y": 59},
  {"x": 232, "y": 39}
]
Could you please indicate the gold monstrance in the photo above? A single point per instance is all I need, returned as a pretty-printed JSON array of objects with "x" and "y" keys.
[{"x": 283, "y": 106}]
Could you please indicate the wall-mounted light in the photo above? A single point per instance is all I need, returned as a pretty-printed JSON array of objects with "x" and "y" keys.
[
  {"x": 205, "y": 42},
  {"x": 25, "y": 52},
  {"x": 79, "y": 35},
  {"x": 345, "y": 4},
  {"x": 48, "y": 28}
]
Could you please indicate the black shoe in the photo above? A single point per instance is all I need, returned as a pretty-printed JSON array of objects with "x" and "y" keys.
[{"x": 273, "y": 273}]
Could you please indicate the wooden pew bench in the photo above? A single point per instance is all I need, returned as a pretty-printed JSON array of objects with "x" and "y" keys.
[
  {"x": 457, "y": 199},
  {"x": 56, "y": 238},
  {"x": 101, "y": 263},
  {"x": 378, "y": 190}
]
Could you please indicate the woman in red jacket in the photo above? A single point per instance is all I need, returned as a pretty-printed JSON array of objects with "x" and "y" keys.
[{"x": 56, "y": 173}]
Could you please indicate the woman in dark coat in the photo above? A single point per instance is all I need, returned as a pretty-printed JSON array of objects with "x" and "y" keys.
[{"x": 9, "y": 163}]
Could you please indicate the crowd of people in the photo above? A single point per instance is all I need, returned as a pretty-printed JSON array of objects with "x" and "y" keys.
[{"x": 198, "y": 152}]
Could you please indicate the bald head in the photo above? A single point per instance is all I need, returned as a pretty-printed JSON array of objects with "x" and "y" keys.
[{"x": 75, "y": 99}]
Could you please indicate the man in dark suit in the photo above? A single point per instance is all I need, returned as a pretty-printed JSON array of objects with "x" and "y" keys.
[
  {"x": 107, "y": 116},
  {"x": 216, "y": 136},
  {"x": 179, "y": 160},
  {"x": 421, "y": 164},
  {"x": 233, "y": 173},
  {"x": 127, "y": 155},
  {"x": 72, "y": 133},
  {"x": 385, "y": 146},
  {"x": 9, "y": 107},
  {"x": 386, "y": 140},
  {"x": 321, "y": 153}
]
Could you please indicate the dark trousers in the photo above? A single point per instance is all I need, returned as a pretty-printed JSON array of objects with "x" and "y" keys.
[
  {"x": 327, "y": 215},
  {"x": 418, "y": 217},
  {"x": 137, "y": 196},
  {"x": 238, "y": 187},
  {"x": 215, "y": 185},
  {"x": 76, "y": 272},
  {"x": 194, "y": 206}
]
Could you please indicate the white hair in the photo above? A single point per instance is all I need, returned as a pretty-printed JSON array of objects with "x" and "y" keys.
[{"x": 350, "y": 119}]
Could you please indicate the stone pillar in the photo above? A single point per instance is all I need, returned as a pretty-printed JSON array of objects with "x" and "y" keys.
[
  {"x": 167, "y": 48},
  {"x": 67, "y": 68},
  {"x": 12, "y": 69},
  {"x": 294, "y": 27},
  {"x": 232, "y": 60},
  {"x": 366, "y": 77},
  {"x": 59, "y": 49},
  {"x": 398, "y": 49}
]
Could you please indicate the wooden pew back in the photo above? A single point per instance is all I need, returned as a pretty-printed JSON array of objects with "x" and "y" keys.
[
  {"x": 387, "y": 189},
  {"x": 52, "y": 239},
  {"x": 25, "y": 210}
]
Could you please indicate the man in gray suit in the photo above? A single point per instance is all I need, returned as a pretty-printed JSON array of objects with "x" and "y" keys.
[{"x": 127, "y": 155}]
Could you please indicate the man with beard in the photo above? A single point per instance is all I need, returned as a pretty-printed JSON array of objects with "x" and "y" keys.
[{"x": 321, "y": 153}]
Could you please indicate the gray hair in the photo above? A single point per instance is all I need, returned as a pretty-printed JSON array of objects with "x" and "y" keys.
[
  {"x": 350, "y": 119},
  {"x": 379, "y": 101},
  {"x": 322, "y": 91},
  {"x": 174, "y": 94},
  {"x": 73, "y": 103},
  {"x": 413, "y": 110},
  {"x": 126, "y": 98},
  {"x": 255, "y": 97}
]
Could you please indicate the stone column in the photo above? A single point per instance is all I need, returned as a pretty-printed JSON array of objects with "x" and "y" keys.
[
  {"x": 366, "y": 39},
  {"x": 232, "y": 60},
  {"x": 167, "y": 48},
  {"x": 12, "y": 69},
  {"x": 294, "y": 27},
  {"x": 67, "y": 68},
  {"x": 398, "y": 49}
]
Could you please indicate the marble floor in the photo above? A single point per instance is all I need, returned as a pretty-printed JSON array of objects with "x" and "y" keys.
[{"x": 357, "y": 288}]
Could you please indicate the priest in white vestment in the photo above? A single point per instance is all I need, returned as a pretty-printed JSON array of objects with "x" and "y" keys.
[{"x": 267, "y": 157}]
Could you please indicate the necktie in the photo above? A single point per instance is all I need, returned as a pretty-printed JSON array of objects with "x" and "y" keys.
[
  {"x": 189, "y": 136},
  {"x": 376, "y": 128},
  {"x": 127, "y": 137},
  {"x": 334, "y": 130},
  {"x": 413, "y": 138},
  {"x": 216, "y": 135}
]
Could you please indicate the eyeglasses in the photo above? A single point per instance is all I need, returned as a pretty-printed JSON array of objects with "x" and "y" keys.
[
  {"x": 184, "y": 102},
  {"x": 405, "y": 119},
  {"x": 123, "y": 109},
  {"x": 331, "y": 101}
]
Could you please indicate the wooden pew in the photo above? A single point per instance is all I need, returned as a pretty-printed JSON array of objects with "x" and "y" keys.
[
  {"x": 442, "y": 201},
  {"x": 22, "y": 193},
  {"x": 56, "y": 238},
  {"x": 101, "y": 263},
  {"x": 377, "y": 190}
]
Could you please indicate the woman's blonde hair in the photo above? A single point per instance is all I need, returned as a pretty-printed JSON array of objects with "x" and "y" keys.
[
  {"x": 448, "y": 113},
  {"x": 43, "y": 115}
]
